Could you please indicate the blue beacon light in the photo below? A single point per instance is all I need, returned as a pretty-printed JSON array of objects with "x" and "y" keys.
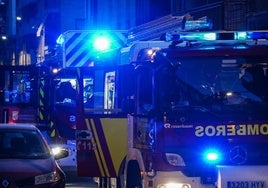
[
  {"x": 102, "y": 43},
  {"x": 212, "y": 36},
  {"x": 212, "y": 156}
]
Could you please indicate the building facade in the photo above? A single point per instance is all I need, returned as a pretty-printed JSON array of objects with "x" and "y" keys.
[
  {"x": 226, "y": 14},
  {"x": 26, "y": 25},
  {"x": 25, "y": 19}
]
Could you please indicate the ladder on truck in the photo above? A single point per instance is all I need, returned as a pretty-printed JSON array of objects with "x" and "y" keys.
[{"x": 156, "y": 29}]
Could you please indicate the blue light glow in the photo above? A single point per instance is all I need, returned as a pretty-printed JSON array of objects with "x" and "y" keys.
[
  {"x": 240, "y": 35},
  {"x": 198, "y": 36},
  {"x": 211, "y": 36},
  {"x": 212, "y": 156},
  {"x": 258, "y": 35},
  {"x": 102, "y": 43}
]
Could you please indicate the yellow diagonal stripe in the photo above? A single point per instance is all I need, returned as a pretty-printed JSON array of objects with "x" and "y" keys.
[
  {"x": 95, "y": 151},
  {"x": 111, "y": 128},
  {"x": 102, "y": 158}
]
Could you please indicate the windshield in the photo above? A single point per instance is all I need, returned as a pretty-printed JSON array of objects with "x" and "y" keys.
[
  {"x": 230, "y": 80},
  {"x": 22, "y": 144},
  {"x": 215, "y": 83}
]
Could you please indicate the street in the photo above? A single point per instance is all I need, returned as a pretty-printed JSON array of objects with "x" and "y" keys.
[
  {"x": 73, "y": 181},
  {"x": 81, "y": 184}
]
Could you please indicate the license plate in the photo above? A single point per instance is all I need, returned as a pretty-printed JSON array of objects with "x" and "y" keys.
[{"x": 246, "y": 184}]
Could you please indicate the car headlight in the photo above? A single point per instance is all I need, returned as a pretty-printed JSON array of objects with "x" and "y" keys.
[
  {"x": 47, "y": 178},
  {"x": 59, "y": 152},
  {"x": 56, "y": 150}
]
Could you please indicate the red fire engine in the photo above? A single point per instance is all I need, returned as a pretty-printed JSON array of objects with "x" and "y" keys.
[
  {"x": 187, "y": 112},
  {"x": 200, "y": 121}
]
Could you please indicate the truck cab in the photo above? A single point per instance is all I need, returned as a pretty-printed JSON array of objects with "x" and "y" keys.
[{"x": 200, "y": 117}]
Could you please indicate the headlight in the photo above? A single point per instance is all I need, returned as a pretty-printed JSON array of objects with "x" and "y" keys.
[
  {"x": 175, "y": 159},
  {"x": 59, "y": 152},
  {"x": 56, "y": 150},
  {"x": 174, "y": 185},
  {"x": 46, "y": 178}
]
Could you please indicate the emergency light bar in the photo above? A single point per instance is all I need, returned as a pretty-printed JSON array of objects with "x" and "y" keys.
[{"x": 211, "y": 36}]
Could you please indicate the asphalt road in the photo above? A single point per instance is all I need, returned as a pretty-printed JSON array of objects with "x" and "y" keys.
[
  {"x": 73, "y": 181},
  {"x": 81, "y": 184}
]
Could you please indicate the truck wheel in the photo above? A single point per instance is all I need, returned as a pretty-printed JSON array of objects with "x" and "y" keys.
[{"x": 133, "y": 175}]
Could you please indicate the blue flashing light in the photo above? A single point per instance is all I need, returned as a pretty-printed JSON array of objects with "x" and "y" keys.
[
  {"x": 102, "y": 43},
  {"x": 212, "y": 156},
  {"x": 252, "y": 35},
  {"x": 199, "y": 36},
  {"x": 240, "y": 35},
  {"x": 212, "y": 36}
]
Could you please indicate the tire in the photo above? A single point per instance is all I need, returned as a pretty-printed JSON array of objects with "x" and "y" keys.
[{"x": 133, "y": 175}]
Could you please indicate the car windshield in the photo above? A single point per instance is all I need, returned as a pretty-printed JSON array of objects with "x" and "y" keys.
[{"x": 22, "y": 144}]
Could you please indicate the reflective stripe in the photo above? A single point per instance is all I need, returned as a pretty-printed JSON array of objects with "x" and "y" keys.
[
  {"x": 41, "y": 112},
  {"x": 52, "y": 128},
  {"x": 111, "y": 147},
  {"x": 98, "y": 152},
  {"x": 77, "y": 51}
]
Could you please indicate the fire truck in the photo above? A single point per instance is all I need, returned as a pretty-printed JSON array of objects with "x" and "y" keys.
[
  {"x": 24, "y": 94},
  {"x": 35, "y": 95},
  {"x": 188, "y": 111}
]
